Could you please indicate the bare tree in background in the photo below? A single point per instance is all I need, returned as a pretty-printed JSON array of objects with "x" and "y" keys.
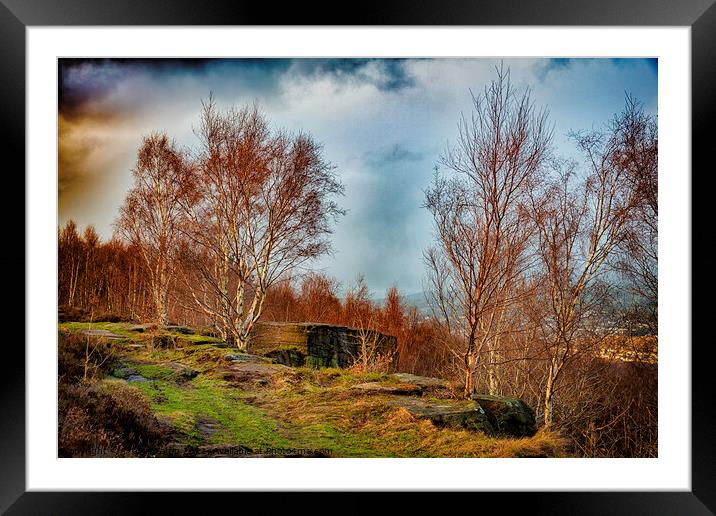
[
  {"x": 358, "y": 308},
  {"x": 265, "y": 209},
  {"x": 151, "y": 212},
  {"x": 70, "y": 247},
  {"x": 319, "y": 299},
  {"x": 580, "y": 223},
  {"x": 635, "y": 149},
  {"x": 482, "y": 224}
]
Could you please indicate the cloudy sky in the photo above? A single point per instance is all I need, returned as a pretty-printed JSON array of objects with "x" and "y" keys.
[{"x": 383, "y": 123}]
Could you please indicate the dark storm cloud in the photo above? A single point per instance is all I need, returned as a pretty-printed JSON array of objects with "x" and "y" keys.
[
  {"x": 83, "y": 80},
  {"x": 103, "y": 102}
]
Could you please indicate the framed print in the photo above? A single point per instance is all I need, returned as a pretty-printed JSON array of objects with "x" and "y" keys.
[{"x": 417, "y": 253}]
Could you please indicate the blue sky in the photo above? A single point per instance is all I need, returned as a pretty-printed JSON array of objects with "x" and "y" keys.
[{"x": 383, "y": 123}]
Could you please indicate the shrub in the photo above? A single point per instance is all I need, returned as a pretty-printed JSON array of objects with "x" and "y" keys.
[
  {"x": 81, "y": 357},
  {"x": 72, "y": 314},
  {"x": 109, "y": 317},
  {"x": 157, "y": 339},
  {"x": 98, "y": 421}
]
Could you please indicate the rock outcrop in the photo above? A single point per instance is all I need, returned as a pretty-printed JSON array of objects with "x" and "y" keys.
[
  {"x": 493, "y": 415},
  {"x": 465, "y": 414},
  {"x": 508, "y": 416},
  {"x": 316, "y": 345}
]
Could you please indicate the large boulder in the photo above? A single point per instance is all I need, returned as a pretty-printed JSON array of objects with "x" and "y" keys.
[
  {"x": 462, "y": 414},
  {"x": 316, "y": 345},
  {"x": 508, "y": 416}
]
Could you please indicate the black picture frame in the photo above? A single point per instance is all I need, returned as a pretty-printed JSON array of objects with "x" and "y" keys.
[{"x": 17, "y": 15}]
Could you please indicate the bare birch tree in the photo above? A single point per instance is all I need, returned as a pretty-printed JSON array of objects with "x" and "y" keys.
[
  {"x": 580, "y": 223},
  {"x": 265, "y": 208},
  {"x": 150, "y": 215},
  {"x": 482, "y": 224}
]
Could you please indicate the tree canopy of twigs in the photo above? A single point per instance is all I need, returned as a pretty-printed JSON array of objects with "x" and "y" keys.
[
  {"x": 480, "y": 213},
  {"x": 264, "y": 207}
]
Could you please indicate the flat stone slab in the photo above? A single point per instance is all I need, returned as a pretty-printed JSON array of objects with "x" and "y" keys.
[
  {"x": 421, "y": 381},
  {"x": 401, "y": 389},
  {"x": 207, "y": 426},
  {"x": 254, "y": 373},
  {"x": 460, "y": 414},
  {"x": 139, "y": 328},
  {"x": 243, "y": 357},
  {"x": 102, "y": 333},
  {"x": 128, "y": 374}
]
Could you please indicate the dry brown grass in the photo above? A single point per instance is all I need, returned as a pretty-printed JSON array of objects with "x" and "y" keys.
[{"x": 392, "y": 431}]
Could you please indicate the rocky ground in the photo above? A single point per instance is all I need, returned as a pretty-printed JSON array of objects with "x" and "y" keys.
[{"x": 221, "y": 403}]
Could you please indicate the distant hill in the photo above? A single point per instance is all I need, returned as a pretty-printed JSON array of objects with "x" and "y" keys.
[{"x": 417, "y": 300}]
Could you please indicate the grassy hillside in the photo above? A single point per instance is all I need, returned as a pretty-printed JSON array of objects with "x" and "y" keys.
[{"x": 210, "y": 406}]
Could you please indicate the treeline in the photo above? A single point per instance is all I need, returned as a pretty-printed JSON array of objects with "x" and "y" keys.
[
  {"x": 606, "y": 405},
  {"x": 542, "y": 280},
  {"x": 103, "y": 279}
]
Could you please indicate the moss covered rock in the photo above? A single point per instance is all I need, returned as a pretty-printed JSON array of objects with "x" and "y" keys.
[{"x": 508, "y": 416}]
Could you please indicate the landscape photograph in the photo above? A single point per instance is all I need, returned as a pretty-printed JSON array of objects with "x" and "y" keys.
[{"x": 357, "y": 257}]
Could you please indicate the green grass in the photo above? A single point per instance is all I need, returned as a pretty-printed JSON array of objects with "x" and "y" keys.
[
  {"x": 120, "y": 328},
  {"x": 305, "y": 408},
  {"x": 124, "y": 329},
  {"x": 306, "y": 416},
  {"x": 154, "y": 371},
  {"x": 241, "y": 423},
  {"x": 201, "y": 358},
  {"x": 198, "y": 339}
]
